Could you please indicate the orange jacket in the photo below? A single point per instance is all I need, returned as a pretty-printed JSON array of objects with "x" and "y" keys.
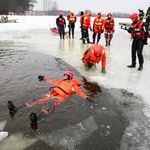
[
  {"x": 90, "y": 57},
  {"x": 71, "y": 18},
  {"x": 86, "y": 21},
  {"x": 65, "y": 87},
  {"x": 109, "y": 25},
  {"x": 98, "y": 24}
]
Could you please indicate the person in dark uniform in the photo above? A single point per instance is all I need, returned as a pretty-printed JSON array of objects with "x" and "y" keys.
[
  {"x": 61, "y": 24},
  {"x": 81, "y": 23},
  {"x": 138, "y": 32}
]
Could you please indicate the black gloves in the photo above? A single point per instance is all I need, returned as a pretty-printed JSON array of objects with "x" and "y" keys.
[
  {"x": 41, "y": 78},
  {"x": 129, "y": 30},
  {"x": 89, "y": 99}
]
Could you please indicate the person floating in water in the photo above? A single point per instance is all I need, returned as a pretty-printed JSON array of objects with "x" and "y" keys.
[{"x": 60, "y": 91}]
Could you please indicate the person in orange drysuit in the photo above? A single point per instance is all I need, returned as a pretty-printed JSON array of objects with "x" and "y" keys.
[
  {"x": 86, "y": 26},
  {"x": 109, "y": 28},
  {"x": 98, "y": 27},
  {"x": 72, "y": 19},
  {"x": 94, "y": 54},
  {"x": 61, "y": 91}
]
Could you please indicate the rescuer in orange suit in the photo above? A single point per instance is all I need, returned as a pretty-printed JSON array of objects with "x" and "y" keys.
[
  {"x": 98, "y": 27},
  {"x": 86, "y": 26},
  {"x": 94, "y": 54},
  {"x": 72, "y": 19},
  {"x": 109, "y": 28},
  {"x": 60, "y": 91}
]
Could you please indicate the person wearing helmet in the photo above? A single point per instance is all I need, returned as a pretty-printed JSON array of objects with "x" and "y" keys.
[
  {"x": 98, "y": 27},
  {"x": 61, "y": 24},
  {"x": 109, "y": 28},
  {"x": 86, "y": 26},
  {"x": 60, "y": 91},
  {"x": 94, "y": 54},
  {"x": 72, "y": 19},
  {"x": 138, "y": 34}
]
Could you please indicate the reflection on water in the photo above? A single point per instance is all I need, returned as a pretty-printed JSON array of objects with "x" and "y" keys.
[{"x": 93, "y": 88}]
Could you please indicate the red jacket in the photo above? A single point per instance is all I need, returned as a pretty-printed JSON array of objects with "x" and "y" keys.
[
  {"x": 137, "y": 30},
  {"x": 109, "y": 25}
]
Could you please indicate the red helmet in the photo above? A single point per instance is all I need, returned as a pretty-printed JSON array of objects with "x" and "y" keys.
[
  {"x": 69, "y": 73},
  {"x": 99, "y": 13},
  {"x": 109, "y": 15},
  {"x": 97, "y": 49},
  {"x": 134, "y": 16},
  {"x": 61, "y": 14}
]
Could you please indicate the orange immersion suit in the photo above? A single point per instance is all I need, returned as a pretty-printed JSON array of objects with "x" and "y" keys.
[
  {"x": 90, "y": 57},
  {"x": 60, "y": 91}
]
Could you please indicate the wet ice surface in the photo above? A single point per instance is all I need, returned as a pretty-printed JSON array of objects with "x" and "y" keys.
[{"x": 32, "y": 34}]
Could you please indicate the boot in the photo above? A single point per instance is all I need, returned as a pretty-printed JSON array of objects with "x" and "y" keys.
[
  {"x": 98, "y": 40},
  {"x": 106, "y": 44},
  {"x": 12, "y": 108},
  {"x": 83, "y": 41},
  {"x": 140, "y": 68},
  {"x": 88, "y": 41},
  {"x": 93, "y": 41},
  {"x": 34, "y": 121},
  {"x": 131, "y": 66}
]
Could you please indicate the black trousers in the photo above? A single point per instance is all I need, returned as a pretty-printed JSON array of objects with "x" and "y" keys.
[
  {"x": 85, "y": 35},
  {"x": 71, "y": 29},
  {"x": 98, "y": 36},
  {"x": 137, "y": 48}
]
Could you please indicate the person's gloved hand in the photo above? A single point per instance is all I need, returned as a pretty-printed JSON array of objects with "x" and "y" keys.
[
  {"x": 129, "y": 30},
  {"x": 41, "y": 78},
  {"x": 28, "y": 105},
  {"x": 103, "y": 70},
  {"x": 89, "y": 99},
  {"x": 86, "y": 67}
]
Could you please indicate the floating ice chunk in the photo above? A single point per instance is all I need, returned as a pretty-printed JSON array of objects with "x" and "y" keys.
[
  {"x": 3, "y": 135},
  {"x": 2, "y": 125}
]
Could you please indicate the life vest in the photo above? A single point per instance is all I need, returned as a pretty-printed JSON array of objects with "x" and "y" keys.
[
  {"x": 86, "y": 21},
  {"x": 98, "y": 23},
  {"x": 61, "y": 21},
  {"x": 137, "y": 30},
  {"x": 109, "y": 24},
  {"x": 71, "y": 19},
  {"x": 65, "y": 87}
]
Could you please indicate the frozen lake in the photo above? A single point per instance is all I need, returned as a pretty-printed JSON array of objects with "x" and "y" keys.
[{"x": 33, "y": 34}]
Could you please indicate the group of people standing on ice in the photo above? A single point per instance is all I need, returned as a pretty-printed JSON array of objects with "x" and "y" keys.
[
  {"x": 138, "y": 31},
  {"x": 100, "y": 25}
]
